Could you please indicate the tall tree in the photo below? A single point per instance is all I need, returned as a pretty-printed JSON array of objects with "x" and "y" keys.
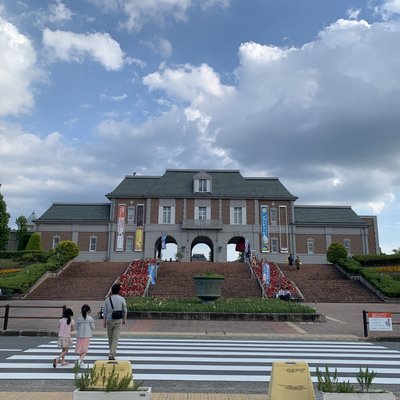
[
  {"x": 21, "y": 223},
  {"x": 4, "y": 228}
]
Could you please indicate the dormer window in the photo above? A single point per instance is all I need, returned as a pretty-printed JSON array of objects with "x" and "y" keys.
[{"x": 202, "y": 183}]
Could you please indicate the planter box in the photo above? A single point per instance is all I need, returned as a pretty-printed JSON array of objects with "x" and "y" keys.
[
  {"x": 359, "y": 396},
  {"x": 208, "y": 289},
  {"x": 143, "y": 393}
]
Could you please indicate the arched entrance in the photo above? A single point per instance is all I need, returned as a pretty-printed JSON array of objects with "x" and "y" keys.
[
  {"x": 202, "y": 245},
  {"x": 169, "y": 252},
  {"x": 234, "y": 249}
]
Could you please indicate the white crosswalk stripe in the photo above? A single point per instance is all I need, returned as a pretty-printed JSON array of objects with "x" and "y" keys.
[{"x": 212, "y": 360}]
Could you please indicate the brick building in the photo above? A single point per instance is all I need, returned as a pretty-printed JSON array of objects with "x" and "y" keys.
[{"x": 216, "y": 208}]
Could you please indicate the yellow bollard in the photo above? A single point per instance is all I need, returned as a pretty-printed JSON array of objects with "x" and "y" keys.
[{"x": 290, "y": 381}]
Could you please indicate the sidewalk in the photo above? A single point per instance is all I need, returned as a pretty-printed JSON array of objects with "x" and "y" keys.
[{"x": 344, "y": 321}]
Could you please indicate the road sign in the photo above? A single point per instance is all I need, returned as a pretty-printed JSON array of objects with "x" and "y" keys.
[{"x": 380, "y": 321}]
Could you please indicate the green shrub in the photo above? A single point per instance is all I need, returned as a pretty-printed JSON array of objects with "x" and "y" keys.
[
  {"x": 23, "y": 241},
  {"x": 383, "y": 281},
  {"x": 335, "y": 252},
  {"x": 34, "y": 243},
  {"x": 378, "y": 260},
  {"x": 65, "y": 251},
  {"x": 37, "y": 256},
  {"x": 350, "y": 265}
]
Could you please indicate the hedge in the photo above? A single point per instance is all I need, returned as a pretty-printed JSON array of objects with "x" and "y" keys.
[
  {"x": 350, "y": 265},
  {"x": 383, "y": 281},
  {"x": 378, "y": 260}
]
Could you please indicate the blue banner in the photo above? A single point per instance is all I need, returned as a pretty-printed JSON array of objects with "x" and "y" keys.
[
  {"x": 264, "y": 230},
  {"x": 163, "y": 240},
  {"x": 266, "y": 273},
  {"x": 151, "y": 271}
]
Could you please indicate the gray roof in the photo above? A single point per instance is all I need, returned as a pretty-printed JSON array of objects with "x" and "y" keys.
[
  {"x": 179, "y": 183},
  {"x": 90, "y": 212},
  {"x": 324, "y": 215}
]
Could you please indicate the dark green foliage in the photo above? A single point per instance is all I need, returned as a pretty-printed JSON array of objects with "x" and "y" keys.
[
  {"x": 34, "y": 243},
  {"x": 22, "y": 230},
  {"x": 350, "y": 265},
  {"x": 378, "y": 260},
  {"x": 225, "y": 305},
  {"x": 335, "y": 252},
  {"x": 65, "y": 251},
  {"x": 384, "y": 282},
  {"x": 4, "y": 229},
  {"x": 23, "y": 241}
]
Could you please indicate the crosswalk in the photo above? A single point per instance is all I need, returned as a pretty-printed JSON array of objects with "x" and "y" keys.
[{"x": 212, "y": 360}]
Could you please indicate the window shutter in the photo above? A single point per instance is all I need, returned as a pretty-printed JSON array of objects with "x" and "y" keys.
[
  {"x": 208, "y": 213},
  {"x": 196, "y": 185},
  {"x": 172, "y": 215},
  {"x": 231, "y": 217},
  {"x": 244, "y": 216},
  {"x": 160, "y": 215}
]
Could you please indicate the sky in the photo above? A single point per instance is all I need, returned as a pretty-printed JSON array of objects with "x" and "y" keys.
[{"x": 307, "y": 91}]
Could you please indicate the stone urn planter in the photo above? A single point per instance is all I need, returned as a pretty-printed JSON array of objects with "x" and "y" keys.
[
  {"x": 374, "y": 395},
  {"x": 142, "y": 393},
  {"x": 208, "y": 287}
]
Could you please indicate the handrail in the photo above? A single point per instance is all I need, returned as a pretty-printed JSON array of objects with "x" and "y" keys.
[
  {"x": 7, "y": 316},
  {"x": 254, "y": 275},
  {"x": 147, "y": 288}
]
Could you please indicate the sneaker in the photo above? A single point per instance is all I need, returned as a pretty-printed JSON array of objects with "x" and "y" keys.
[
  {"x": 83, "y": 365},
  {"x": 111, "y": 358},
  {"x": 55, "y": 363}
]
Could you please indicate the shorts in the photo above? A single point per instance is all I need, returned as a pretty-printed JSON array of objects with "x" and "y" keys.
[
  {"x": 82, "y": 345},
  {"x": 64, "y": 342}
]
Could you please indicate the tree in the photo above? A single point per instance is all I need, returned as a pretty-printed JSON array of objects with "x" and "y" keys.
[
  {"x": 4, "y": 228},
  {"x": 396, "y": 251},
  {"x": 22, "y": 229},
  {"x": 335, "y": 252},
  {"x": 34, "y": 243}
]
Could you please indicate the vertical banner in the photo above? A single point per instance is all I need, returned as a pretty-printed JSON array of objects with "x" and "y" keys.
[
  {"x": 264, "y": 229},
  {"x": 139, "y": 227},
  {"x": 163, "y": 242},
  {"x": 121, "y": 227},
  {"x": 266, "y": 274}
]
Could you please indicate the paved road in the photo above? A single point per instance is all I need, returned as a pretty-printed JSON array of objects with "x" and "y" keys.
[{"x": 199, "y": 365}]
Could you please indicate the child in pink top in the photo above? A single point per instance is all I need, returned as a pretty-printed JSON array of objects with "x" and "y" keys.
[{"x": 66, "y": 326}]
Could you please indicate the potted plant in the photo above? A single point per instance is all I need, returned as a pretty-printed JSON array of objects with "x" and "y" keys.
[
  {"x": 99, "y": 383},
  {"x": 332, "y": 389},
  {"x": 208, "y": 286}
]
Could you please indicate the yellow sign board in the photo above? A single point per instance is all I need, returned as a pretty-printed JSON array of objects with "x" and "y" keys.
[
  {"x": 117, "y": 369},
  {"x": 290, "y": 381}
]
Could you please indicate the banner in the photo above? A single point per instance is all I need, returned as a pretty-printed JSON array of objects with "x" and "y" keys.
[
  {"x": 264, "y": 230},
  {"x": 121, "y": 227},
  {"x": 163, "y": 242},
  {"x": 139, "y": 239},
  {"x": 266, "y": 274}
]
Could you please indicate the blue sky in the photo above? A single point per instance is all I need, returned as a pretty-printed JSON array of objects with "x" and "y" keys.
[{"x": 308, "y": 91}]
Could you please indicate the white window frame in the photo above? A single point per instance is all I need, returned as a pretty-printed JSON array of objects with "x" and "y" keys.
[
  {"x": 203, "y": 185},
  {"x": 56, "y": 240},
  {"x": 310, "y": 246},
  {"x": 274, "y": 245},
  {"x": 237, "y": 215},
  {"x": 131, "y": 215},
  {"x": 166, "y": 214},
  {"x": 273, "y": 216},
  {"x": 202, "y": 210},
  {"x": 129, "y": 243},
  {"x": 92, "y": 243}
]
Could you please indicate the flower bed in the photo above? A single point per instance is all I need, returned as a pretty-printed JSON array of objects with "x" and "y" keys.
[
  {"x": 277, "y": 280},
  {"x": 134, "y": 280}
]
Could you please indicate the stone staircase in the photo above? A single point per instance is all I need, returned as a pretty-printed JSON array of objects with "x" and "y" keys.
[
  {"x": 326, "y": 284},
  {"x": 80, "y": 281},
  {"x": 174, "y": 279}
]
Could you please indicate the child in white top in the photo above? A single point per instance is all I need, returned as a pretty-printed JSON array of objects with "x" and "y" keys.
[
  {"x": 84, "y": 326},
  {"x": 66, "y": 326}
]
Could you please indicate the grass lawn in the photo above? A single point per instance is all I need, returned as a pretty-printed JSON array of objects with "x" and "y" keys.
[{"x": 274, "y": 306}]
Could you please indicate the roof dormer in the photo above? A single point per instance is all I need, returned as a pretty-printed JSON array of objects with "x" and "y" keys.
[{"x": 202, "y": 183}]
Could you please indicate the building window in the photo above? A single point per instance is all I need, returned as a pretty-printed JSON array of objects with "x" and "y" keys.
[
  {"x": 310, "y": 246},
  {"x": 274, "y": 245},
  {"x": 166, "y": 215},
  {"x": 237, "y": 215},
  {"x": 129, "y": 243},
  {"x": 93, "y": 243},
  {"x": 202, "y": 185},
  {"x": 347, "y": 244},
  {"x": 131, "y": 215},
  {"x": 203, "y": 213},
  {"x": 56, "y": 240},
  {"x": 273, "y": 215}
]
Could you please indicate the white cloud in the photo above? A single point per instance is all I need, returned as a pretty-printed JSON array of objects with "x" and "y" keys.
[
  {"x": 388, "y": 8},
  {"x": 159, "y": 45},
  {"x": 59, "y": 12},
  {"x": 18, "y": 70},
  {"x": 353, "y": 13},
  {"x": 70, "y": 46},
  {"x": 116, "y": 99}
]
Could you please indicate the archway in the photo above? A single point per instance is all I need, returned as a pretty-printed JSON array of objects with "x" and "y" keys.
[
  {"x": 233, "y": 248},
  {"x": 202, "y": 245},
  {"x": 170, "y": 251}
]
